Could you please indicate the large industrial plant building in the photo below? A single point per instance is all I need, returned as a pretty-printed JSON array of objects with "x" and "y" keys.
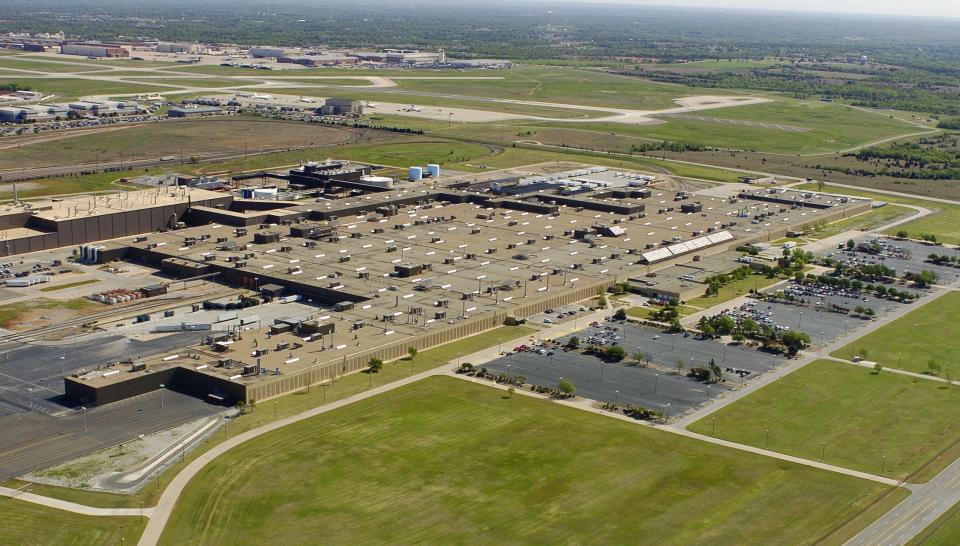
[{"x": 388, "y": 268}]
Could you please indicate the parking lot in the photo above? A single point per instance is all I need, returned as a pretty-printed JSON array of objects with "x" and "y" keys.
[
  {"x": 901, "y": 256},
  {"x": 652, "y": 387},
  {"x": 37, "y": 430}
]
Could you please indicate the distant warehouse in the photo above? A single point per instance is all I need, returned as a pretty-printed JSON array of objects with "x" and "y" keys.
[
  {"x": 95, "y": 50},
  {"x": 195, "y": 111},
  {"x": 341, "y": 107}
]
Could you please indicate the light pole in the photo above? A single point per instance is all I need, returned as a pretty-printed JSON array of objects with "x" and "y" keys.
[
  {"x": 616, "y": 395},
  {"x": 823, "y": 450},
  {"x": 708, "y": 392},
  {"x": 323, "y": 393},
  {"x": 713, "y": 421},
  {"x": 656, "y": 382},
  {"x": 766, "y": 438},
  {"x": 821, "y": 339},
  {"x": 274, "y": 410},
  {"x": 458, "y": 360},
  {"x": 800, "y": 320},
  {"x": 161, "y": 395},
  {"x": 883, "y": 464},
  {"x": 84, "y": 408},
  {"x": 667, "y": 416}
]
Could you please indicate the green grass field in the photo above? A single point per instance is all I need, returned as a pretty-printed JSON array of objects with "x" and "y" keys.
[
  {"x": 867, "y": 221},
  {"x": 732, "y": 290},
  {"x": 515, "y": 157},
  {"x": 71, "y": 88},
  {"x": 913, "y": 339},
  {"x": 12, "y": 312},
  {"x": 24, "y": 63},
  {"x": 292, "y": 404},
  {"x": 23, "y": 523},
  {"x": 862, "y": 417},
  {"x": 944, "y": 222},
  {"x": 192, "y": 82},
  {"x": 447, "y": 461},
  {"x": 151, "y": 140}
]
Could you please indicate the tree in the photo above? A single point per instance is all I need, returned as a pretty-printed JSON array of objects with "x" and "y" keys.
[
  {"x": 412, "y": 351},
  {"x": 573, "y": 343},
  {"x": 510, "y": 392},
  {"x": 795, "y": 341},
  {"x": 934, "y": 367},
  {"x": 621, "y": 314},
  {"x": 566, "y": 387},
  {"x": 902, "y": 234},
  {"x": 615, "y": 353},
  {"x": 863, "y": 353},
  {"x": 851, "y": 243},
  {"x": 924, "y": 279},
  {"x": 637, "y": 358},
  {"x": 877, "y": 368},
  {"x": 708, "y": 330},
  {"x": 375, "y": 365},
  {"x": 715, "y": 371}
]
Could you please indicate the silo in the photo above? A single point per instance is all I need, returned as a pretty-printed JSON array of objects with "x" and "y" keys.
[
  {"x": 433, "y": 169},
  {"x": 416, "y": 173}
]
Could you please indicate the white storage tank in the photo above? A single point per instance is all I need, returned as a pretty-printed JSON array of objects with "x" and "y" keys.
[
  {"x": 378, "y": 181},
  {"x": 433, "y": 169},
  {"x": 416, "y": 173}
]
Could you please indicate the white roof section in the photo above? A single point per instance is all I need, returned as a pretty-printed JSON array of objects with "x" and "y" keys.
[{"x": 685, "y": 247}]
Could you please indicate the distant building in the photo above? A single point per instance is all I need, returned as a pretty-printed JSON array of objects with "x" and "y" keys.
[
  {"x": 341, "y": 107},
  {"x": 95, "y": 50},
  {"x": 479, "y": 63},
  {"x": 195, "y": 111},
  {"x": 331, "y": 59},
  {"x": 173, "y": 47},
  {"x": 33, "y": 113},
  {"x": 270, "y": 52}
]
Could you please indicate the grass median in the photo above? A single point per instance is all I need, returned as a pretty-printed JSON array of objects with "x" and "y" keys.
[
  {"x": 26, "y": 523},
  {"x": 914, "y": 340},
  {"x": 847, "y": 416}
]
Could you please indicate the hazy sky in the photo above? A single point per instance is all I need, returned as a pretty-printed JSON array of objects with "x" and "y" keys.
[{"x": 931, "y": 8}]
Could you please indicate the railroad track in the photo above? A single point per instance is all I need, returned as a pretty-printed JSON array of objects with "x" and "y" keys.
[{"x": 15, "y": 340}]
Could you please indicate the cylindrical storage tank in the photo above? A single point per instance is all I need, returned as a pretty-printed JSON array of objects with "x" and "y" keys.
[
  {"x": 433, "y": 169},
  {"x": 416, "y": 173},
  {"x": 378, "y": 181}
]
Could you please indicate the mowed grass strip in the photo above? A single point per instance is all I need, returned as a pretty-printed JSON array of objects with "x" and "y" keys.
[
  {"x": 447, "y": 461},
  {"x": 928, "y": 332},
  {"x": 944, "y": 220},
  {"x": 29, "y": 524},
  {"x": 56, "y": 287},
  {"x": 860, "y": 417}
]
